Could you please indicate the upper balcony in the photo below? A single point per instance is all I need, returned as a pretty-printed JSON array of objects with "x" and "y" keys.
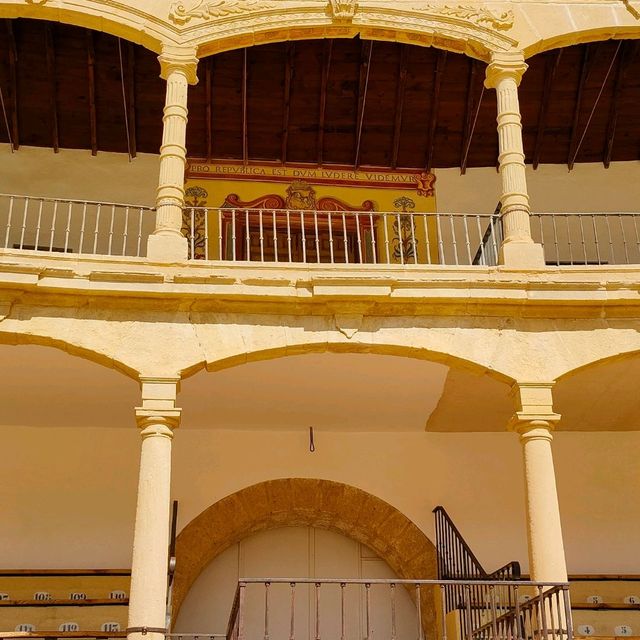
[{"x": 334, "y": 105}]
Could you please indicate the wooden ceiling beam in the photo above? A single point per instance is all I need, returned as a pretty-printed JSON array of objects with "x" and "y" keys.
[
  {"x": 208, "y": 73},
  {"x": 468, "y": 115},
  {"x": 51, "y": 73},
  {"x": 627, "y": 54},
  {"x": 91, "y": 78},
  {"x": 363, "y": 86},
  {"x": 131, "y": 98},
  {"x": 551, "y": 67},
  {"x": 13, "y": 84},
  {"x": 245, "y": 124},
  {"x": 400, "y": 94},
  {"x": 441, "y": 60},
  {"x": 584, "y": 72},
  {"x": 327, "y": 53},
  {"x": 286, "y": 111}
]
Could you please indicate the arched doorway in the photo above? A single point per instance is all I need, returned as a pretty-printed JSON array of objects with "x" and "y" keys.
[{"x": 301, "y": 502}]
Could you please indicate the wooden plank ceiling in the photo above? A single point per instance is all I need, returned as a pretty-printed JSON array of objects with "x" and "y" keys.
[{"x": 341, "y": 102}]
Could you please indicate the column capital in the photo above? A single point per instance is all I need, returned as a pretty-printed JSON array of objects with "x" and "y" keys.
[
  {"x": 158, "y": 414},
  {"x": 534, "y": 413},
  {"x": 509, "y": 64},
  {"x": 182, "y": 59}
]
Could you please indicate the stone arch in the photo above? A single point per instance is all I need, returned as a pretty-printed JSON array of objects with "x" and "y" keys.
[
  {"x": 600, "y": 362},
  {"x": 16, "y": 338},
  {"x": 126, "y": 22},
  {"x": 476, "y": 33},
  {"x": 306, "y": 502},
  {"x": 570, "y": 38}
]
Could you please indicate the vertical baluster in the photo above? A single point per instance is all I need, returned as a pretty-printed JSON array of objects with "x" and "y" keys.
[
  {"x": 367, "y": 608},
  {"x": 442, "y": 259},
  {"x": 392, "y": 594},
  {"x": 343, "y": 622},
  {"x": 241, "y": 605},
  {"x": 374, "y": 250},
  {"x": 96, "y": 228},
  {"x": 292, "y": 620},
  {"x": 329, "y": 222},
  {"x": 233, "y": 234},
  {"x": 140, "y": 221},
  {"x": 516, "y": 603},
  {"x": 359, "y": 238},
  {"x": 124, "y": 234},
  {"x": 205, "y": 213},
  {"x": 482, "y": 259},
  {"x": 247, "y": 236},
  {"x": 419, "y": 608},
  {"x": 494, "y": 626},
  {"x": 266, "y": 610},
  {"x": 465, "y": 221},
  {"x": 568, "y": 227},
  {"x": 493, "y": 220},
  {"x": 399, "y": 223},
  {"x": 624, "y": 239},
  {"x": 567, "y": 612},
  {"x": 541, "y": 231},
  {"x": 53, "y": 226},
  {"x": 595, "y": 237},
  {"x": 555, "y": 239},
  {"x": 275, "y": 236},
  {"x": 554, "y": 610},
  {"x": 386, "y": 238},
  {"x": 444, "y": 612},
  {"x": 414, "y": 244},
  {"x": 304, "y": 238},
  {"x": 468, "y": 627},
  {"x": 582, "y": 240},
  {"x": 38, "y": 223},
  {"x": 634, "y": 217},
  {"x": 110, "y": 243},
  {"x": 453, "y": 238},
  {"x": 345, "y": 238},
  {"x": 261, "y": 238},
  {"x": 317, "y": 236},
  {"x": 612, "y": 252},
  {"x": 192, "y": 234},
  {"x": 220, "y": 256},
  {"x": 24, "y": 221},
  {"x": 289, "y": 235},
  {"x": 543, "y": 614},
  {"x": 317, "y": 589},
  {"x": 9, "y": 216},
  {"x": 425, "y": 224}
]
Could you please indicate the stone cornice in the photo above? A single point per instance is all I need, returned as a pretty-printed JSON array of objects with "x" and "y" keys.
[{"x": 559, "y": 293}]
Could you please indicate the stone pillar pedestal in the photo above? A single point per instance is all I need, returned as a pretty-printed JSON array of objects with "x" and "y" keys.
[
  {"x": 534, "y": 421},
  {"x": 518, "y": 249},
  {"x": 157, "y": 418},
  {"x": 167, "y": 244}
]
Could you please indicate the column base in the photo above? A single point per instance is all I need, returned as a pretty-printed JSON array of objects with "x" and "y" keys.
[
  {"x": 167, "y": 248},
  {"x": 521, "y": 255}
]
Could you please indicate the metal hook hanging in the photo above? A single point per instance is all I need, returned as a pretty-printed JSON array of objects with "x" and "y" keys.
[{"x": 312, "y": 444}]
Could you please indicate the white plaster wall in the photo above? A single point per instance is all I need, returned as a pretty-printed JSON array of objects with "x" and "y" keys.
[
  {"x": 68, "y": 495},
  {"x": 552, "y": 188},
  {"x": 76, "y": 174}
]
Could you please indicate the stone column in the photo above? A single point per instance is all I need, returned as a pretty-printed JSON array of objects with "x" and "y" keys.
[
  {"x": 157, "y": 418},
  {"x": 518, "y": 249},
  {"x": 534, "y": 421},
  {"x": 178, "y": 68}
]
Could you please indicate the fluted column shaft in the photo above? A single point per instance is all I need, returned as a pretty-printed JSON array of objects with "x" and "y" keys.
[
  {"x": 178, "y": 68},
  {"x": 157, "y": 418},
  {"x": 504, "y": 74}
]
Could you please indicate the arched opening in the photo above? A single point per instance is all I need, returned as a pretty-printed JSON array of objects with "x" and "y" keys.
[{"x": 300, "y": 502}]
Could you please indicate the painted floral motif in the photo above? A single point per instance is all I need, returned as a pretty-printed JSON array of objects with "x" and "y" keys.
[
  {"x": 404, "y": 234},
  {"x": 194, "y": 221}
]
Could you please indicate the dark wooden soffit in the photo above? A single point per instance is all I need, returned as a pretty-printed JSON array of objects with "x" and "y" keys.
[{"x": 340, "y": 102}]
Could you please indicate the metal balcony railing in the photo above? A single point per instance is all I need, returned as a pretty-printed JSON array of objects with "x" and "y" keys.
[
  {"x": 349, "y": 609},
  {"x": 74, "y": 226},
  {"x": 314, "y": 237}
]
